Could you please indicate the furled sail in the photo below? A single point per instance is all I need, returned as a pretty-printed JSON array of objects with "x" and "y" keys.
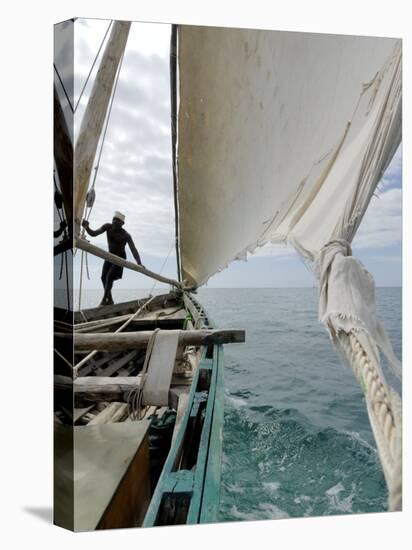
[{"x": 282, "y": 137}]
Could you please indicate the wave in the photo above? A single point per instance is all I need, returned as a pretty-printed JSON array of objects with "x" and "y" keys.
[{"x": 285, "y": 466}]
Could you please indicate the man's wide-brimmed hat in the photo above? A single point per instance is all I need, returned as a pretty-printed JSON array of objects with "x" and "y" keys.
[{"x": 119, "y": 216}]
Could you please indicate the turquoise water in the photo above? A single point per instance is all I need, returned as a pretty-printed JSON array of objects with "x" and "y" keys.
[{"x": 296, "y": 440}]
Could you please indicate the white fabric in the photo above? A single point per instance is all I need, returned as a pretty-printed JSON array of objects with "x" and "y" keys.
[
  {"x": 282, "y": 137},
  {"x": 119, "y": 215},
  {"x": 160, "y": 369},
  {"x": 347, "y": 301}
]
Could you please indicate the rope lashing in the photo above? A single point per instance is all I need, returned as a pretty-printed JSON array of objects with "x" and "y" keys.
[
  {"x": 383, "y": 405},
  {"x": 347, "y": 309}
]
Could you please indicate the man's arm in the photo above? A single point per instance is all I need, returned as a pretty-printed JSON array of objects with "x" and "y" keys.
[
  {"x": 99, "y": 231},
  {"x": 134, "y": 250}
]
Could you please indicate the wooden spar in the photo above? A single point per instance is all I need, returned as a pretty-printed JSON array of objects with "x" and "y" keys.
[
  {"x": 105, "y": 388},
  {"x": 135, "y": 340},
  {"x": 98, "y": 388},
  {"x": 96, "y": 251},
  {"x": 94, "y": 116},
  {"x": 63, "y": 157}
]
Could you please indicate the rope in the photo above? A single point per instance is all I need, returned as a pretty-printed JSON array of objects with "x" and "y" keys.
[
  {"x": 161, "y": 269},
  {"x": 384, "y": 410},
  {"x": 134, "y": 399},
  {"x": 92, "y": 353},
  {"x": 92, "y": 67}
]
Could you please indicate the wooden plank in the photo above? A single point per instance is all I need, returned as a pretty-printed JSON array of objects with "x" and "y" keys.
[
  {"x": 134, "y": 340},
  {"x": 172, "y": 458},
  {"x": 195, "y": 503},
  {"x": 152, "y": 317},
  {"x": 111, "y": 369},
  {"x": 93, "y": 365},
  {"x": 109, "y": 388},
  {"x": 100, "y": 253},
  {"x": 160, "y": 368},
  {"x": 181, "y": 408},
  {"x": 211, "y": 492}
]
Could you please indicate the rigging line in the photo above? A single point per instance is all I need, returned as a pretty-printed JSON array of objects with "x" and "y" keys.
[
  {"x": 96, "y": 168},
  {"x": 61, "y": 267},
  {"x": 64, "y": 88},
  {"x": 173, "y": 108},
  {"x": 67, "y": 281},
  {"x": 161, "y": 269},
  {"x": 92, "y": 67}
]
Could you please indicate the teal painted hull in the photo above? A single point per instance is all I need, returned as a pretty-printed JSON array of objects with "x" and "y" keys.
[{"x": 190, "y": 496}]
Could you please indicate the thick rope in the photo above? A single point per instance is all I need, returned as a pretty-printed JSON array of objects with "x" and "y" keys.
[{"x": 384, "y": 410}]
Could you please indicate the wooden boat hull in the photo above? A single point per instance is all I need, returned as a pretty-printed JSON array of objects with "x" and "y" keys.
[{"x": 186, "y": 485}]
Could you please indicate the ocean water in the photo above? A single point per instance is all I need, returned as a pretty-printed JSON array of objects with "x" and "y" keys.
[{"x": 297, "y": 440}]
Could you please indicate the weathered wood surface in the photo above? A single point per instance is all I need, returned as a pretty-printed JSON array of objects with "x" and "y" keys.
[
  {"x": 151, "y": 317},
  {"x": 114, "y": 367},
  {"x": 94, "y": 365},
  {"x": 161, "y": 301},
  {"x": 196, "y": 313},
  {"x": 181, "y": 409},
  {"x": 109, "y": 389},
  {"x": 95, "y": 113},
  {"x": 105, "y": 255},
  {"x": 135, "y": 340}
]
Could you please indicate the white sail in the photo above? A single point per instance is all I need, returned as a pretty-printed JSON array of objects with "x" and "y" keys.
[{"x": 282, "y": 137}]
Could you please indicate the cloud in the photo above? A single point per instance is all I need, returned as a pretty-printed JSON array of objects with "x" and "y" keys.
[
  {"x": 382, "y": 224},
  {"x": 135, "y": 172}
]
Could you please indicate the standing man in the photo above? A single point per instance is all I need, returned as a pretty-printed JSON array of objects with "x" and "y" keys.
[{"x": 117, "y": 238}]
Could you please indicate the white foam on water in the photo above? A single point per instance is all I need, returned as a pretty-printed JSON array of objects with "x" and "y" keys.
[
  {"x": 237, "y": 402},
  {"x": 271, "y": 486},
  {"x": 265, "y": 510},
  {"x": 355, "y": 436},
  {"x": 234, "y": 488},
  {"x": 272, "y": 511},
  {"x": 336, "y": 502},
  {"x": 301, "y": 498}
]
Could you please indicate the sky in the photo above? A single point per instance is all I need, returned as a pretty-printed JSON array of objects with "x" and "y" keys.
[{"x": 135, "y": 176}]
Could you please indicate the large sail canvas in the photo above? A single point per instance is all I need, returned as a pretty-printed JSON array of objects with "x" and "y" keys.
[
  {"x": 178, "y": 150},
  {"x": 278, "y": 132}
]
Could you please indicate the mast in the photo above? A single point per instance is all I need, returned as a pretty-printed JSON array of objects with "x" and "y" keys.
[
  {"x": 94, "y": 116},
  {"x": 173, "y": 103}
]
